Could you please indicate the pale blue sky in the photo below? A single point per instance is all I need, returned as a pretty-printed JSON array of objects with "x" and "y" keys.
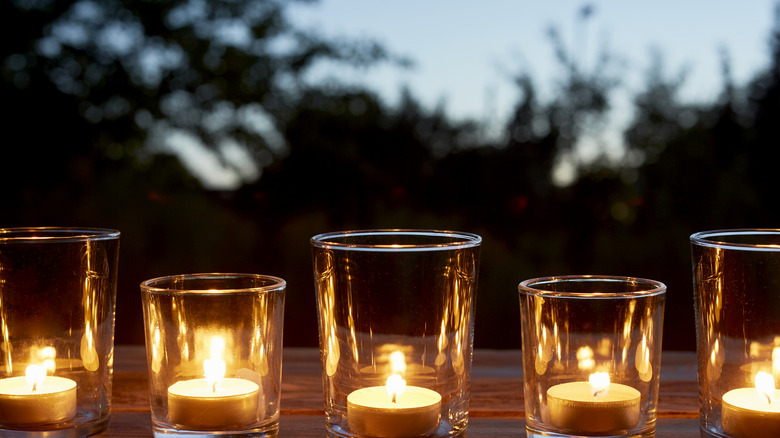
[{"x": 466, "y": 51}]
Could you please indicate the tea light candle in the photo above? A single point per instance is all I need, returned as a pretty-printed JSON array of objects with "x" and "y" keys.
[
  {"x": 596, "y": 406},
  {"x": 752, "y": 412},
  {"x": 37, "y": 398},
  {"x": 393, "y": 410},
  {"x": 213, "y": 402}
]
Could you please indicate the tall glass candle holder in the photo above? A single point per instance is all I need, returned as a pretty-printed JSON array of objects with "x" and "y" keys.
[
  {"x": 57, "y": 301},
  {"x": 214, "y": 351},
  {"x": 736, "y": 278},
  {"x": 396, "y": 321},
  {"x": 591, "y": 355}
]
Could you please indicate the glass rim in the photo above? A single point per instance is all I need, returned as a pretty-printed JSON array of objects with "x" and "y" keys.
[
  {"x": 465, "y": 240},
  {"x": 275, "y": 283},
  {"x": 55, "y": 234},
  {"x": 711, "y": 238},
  {"x": 531, "y": 286}
]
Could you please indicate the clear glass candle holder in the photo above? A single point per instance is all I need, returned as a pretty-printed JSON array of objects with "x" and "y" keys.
[
  {"x": 591, "y": 355},
  {"x": 214, "y": 351},
  {"x": 57, "y": 301},
  {"x": 396, "y": 322},
  {"x": 736, "y": 278}
]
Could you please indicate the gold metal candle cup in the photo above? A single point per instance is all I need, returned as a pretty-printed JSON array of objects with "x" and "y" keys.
[
  {"x": 746, "y": 414},
  {"x": 572, "y": 406},
  {"x": 371, "y": 412},
  {"x": 233, "y": 405},
  {"x": 53, "y": 402}
]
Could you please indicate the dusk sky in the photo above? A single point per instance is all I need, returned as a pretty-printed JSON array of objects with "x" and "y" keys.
[
  {"x": 466, "y": 52},
  {"x": 466, "y": 55}
]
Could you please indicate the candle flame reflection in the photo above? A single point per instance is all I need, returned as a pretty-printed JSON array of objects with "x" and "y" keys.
[
  {"x": 95, "y": 277},
  {"x": 46, "y": 357},
  {"x": 34, "y": 375},
  {"x": 395, "y": 387},
  {"x": 776, "y": 360},
  {"x": 599, "y": 383},
  {"x": 326, "y": 291},
  {"x": 585, "y": 360},
  {"x": 765, "y": 385},
  {"x": 398, "y": 362}
]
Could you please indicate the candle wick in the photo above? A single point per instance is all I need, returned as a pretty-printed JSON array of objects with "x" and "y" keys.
[
  {"x": 214, "y": 387},
  {"x": 34, "y": 386},
  {"x": 768, "y": 399},
  {"x": 394, "y": 396},
  {"x": 599, "y": 392}
]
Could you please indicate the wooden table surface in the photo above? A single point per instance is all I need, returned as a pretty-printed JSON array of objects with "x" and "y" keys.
[{"x": 496, "y": 406}]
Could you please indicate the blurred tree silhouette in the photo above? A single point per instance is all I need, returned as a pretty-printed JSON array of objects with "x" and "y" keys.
[
  {"x": 691, "y": 168},
  {"x": 349, "y": 155},
  {"x": 118, "y": 75},
  {"x": 103, "y": 94}
]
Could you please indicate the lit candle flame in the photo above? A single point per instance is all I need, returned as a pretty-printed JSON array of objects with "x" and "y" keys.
[
  {"x": 34, "y": 376},
  {"x": 395, "y": 387},
  {"x": 215, "y": 371},
  {"x": 215, "y": 368},
  {"x": 765, "y": 385},
  {"x": 599, "y": 382}
]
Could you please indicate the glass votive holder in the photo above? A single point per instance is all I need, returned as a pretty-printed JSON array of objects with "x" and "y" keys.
[
  {"x": 591, "y": 355},
  {"x": 736, "y": 278},
  {"x": 396, "y": 323},
  {"x": 214, "y": 351},
  {"x": 57, "y": 301}
]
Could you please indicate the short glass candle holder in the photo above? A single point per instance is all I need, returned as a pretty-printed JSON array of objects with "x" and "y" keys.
[
  {"x": 736, "y": 278},
  {"x": 396, "y": 322},
  {"x": 57, "y": 301},
  {"x": 591, "y": 355},
  {"x": 214, "y": 351}
]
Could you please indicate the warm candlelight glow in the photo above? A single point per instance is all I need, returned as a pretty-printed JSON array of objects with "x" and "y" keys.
[
  {"x": 217, "y": 347},
  {"x": 585, "y": 359},
  {"x": 89, "y": 354},
  {"x": 215, "y": 368},
  {"x": 34, "y": 376},
  {"x": 599, "y": 382},
  {"x": 765, "y": 385},
  {"x": 643, "y": 358},
  {"x": 397, "y": 362},
  {"x": 395, "y": 387},
  {"x": 48, "y": 354},
  {"x": 215, "y": 401}
]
